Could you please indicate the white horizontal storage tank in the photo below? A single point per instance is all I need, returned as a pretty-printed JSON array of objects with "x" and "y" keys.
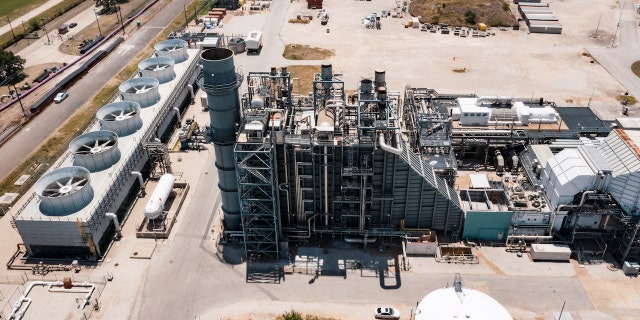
[
  {"x": 155, "y": 206},
  {"x": 142, "y": 90},
  {"x": 64, "y": 191},
  {"x": 175, "y": 49},
  {"x": 160, "y": 68},
  {"x": 550, "y": 252},
  {"x": 95, "y": 150},
  {"x": 122, "y": 117}
]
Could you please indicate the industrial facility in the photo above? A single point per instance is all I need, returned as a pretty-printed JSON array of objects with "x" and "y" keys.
[
  {"x": 79, "y": 203},
  {"x": 376, "y": 166}
]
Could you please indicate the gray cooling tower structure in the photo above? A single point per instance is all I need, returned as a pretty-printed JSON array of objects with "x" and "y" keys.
[{"x": 220, "y": 82}]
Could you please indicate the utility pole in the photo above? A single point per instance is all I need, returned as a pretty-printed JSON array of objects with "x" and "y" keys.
[
  {"x": 121, "y": 18},
  {"x": 25, "y": 32},
  {"x": 45, "y": 30},
  {"x": 97, "y": 22},
  {"x": 12, "y": 33}
]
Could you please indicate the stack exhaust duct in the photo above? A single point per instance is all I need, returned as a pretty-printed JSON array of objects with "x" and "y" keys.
[{"x": 220, "y": 82}]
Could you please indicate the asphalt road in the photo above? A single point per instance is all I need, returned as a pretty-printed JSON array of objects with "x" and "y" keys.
[{"x": 38, "y": 129}]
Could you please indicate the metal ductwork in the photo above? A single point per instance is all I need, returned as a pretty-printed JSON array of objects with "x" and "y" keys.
[
  {"x": 64, "y": 191},
  {"x": 122, "y": 117},
  {"x": 142, "y": 90},
  {"x": 95, "y": 150},
  {"x": 160, "y": 68},
  {"x": 220, "y": 82},
  {"x": 175, "y": 49},
  {"x": 505, "y": 100}
]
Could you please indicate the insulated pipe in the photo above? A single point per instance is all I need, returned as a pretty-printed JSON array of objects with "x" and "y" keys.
[
  {"x": 177, "y": 114},
  {"x": 115, "y": 222},
  {"x": 193, "y": 96},
  {"x": 326, "y": 188},
  {"x": 140, "y": 180},
  {"x": 584, "y": 197},
  {"x": 388, "y": 148}
]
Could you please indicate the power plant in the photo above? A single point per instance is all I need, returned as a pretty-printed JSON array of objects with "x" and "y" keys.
[{"x": 374, "y": 166}]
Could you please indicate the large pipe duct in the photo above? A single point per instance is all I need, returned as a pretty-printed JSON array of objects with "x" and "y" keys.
[
  {"x": 140, "y": 180},
  {"x": 220, "y": 82},
  {"x": 116, "y": 224}
]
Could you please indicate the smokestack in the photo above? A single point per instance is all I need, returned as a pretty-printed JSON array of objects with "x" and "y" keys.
[{"x": 221, "y": 85}]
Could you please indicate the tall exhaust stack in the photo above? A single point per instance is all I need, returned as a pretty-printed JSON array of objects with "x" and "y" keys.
[{"x": 221, "y": 83}]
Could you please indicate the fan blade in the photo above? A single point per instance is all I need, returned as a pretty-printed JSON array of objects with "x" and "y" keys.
[
  {"x": 69, "y": 181},
  {"x": 75, "y": 184},
  {"x": 59, "y": 184},
  {"x": 83, "y": 152},
  {"x": 130, "y": 113}
]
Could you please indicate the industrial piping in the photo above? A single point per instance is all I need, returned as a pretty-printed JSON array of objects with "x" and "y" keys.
[
  {"x": 18, "y": 312},
  {"x": 140, "y": 180},
  {"x": 387, "y": 147},
  {"x": 116, "y": 224}
]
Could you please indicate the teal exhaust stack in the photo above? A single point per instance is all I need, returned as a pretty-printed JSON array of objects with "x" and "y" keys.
[{"x": 220, "y": 82}]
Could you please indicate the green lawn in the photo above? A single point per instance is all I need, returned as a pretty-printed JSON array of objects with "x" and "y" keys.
[{"x": 16, "y": 8}]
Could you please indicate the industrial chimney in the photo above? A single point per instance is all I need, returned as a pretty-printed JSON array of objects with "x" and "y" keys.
[{"x": 221, "y": 83}]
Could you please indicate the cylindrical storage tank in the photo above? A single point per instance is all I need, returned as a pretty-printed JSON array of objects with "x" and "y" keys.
[
  {"x": 143, "y": 90},
  {"x": 64, "y": 191},
  {"x": 175, "y": 49},
  {"x": 155, "y": 206},
  {"x": 160, "y": 68},
  {"x": 237, "y": 45},
  {"x": 366, "y": 89},
  {"x": 122, "y": 117},
  {"x": 95, "y": 150},
  {"x": 221, "y": 83},
  {"x": 379, "y": 78}
]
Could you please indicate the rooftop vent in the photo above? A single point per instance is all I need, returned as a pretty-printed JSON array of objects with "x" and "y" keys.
[
  {"x": 142, "y": 90},
  {"x": 122, "y": 117},
  {"x": 96, "y": 150},
  {"x": 64, "y": 191},
  {"x": 160, "y": 68},
  {"x": 175, "y": 49}
]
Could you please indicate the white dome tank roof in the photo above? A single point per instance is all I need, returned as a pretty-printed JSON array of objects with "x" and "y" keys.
[
  {"x": 446, "y": 303},
  {"x": 95, "y": 150},
  {"x": 122, "y": 117},
  {"x": 142, "y": 90},
  {"x": 175, "y": 49},
  {"x": 160, "y": 68},
  {"x": 64, "y": 191}
]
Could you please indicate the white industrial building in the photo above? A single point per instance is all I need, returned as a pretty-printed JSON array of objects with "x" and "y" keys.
[{"x": 76, "y": 207}]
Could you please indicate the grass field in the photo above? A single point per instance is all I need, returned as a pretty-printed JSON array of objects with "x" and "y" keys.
[{"x": 16, "y": 8}]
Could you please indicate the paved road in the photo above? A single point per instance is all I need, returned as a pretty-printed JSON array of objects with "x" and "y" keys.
[
  {"x": 23, "y": 143},
  {"x": 617, "y": 59},
  {"x": 16, "y": 21}
]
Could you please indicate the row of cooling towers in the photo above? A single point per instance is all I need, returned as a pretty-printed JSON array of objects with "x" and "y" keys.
[{"x": 67, "y": 190}]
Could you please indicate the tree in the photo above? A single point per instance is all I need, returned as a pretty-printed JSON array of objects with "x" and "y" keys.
[
  {"x": 107, "y": 5},
  {"x": 11, "y": 67},
  {"x": 470, "y": 17}
]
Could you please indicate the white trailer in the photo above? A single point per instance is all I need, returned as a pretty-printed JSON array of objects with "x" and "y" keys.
[{"x": 254, "y": 42}]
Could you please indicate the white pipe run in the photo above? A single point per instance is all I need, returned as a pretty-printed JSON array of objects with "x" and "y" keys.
[
  {"x": 387, "y": 147},
  {"x": 116, "y": 224},
  {"x": 177, "y": 114},
  {"x": 18, "y": 312},
  {"x": 139, "y": 175}
]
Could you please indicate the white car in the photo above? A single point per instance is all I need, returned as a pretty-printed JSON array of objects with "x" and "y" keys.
[
  {"x": 387, "y": 313},
  {"x": 60, "y": 97}
]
